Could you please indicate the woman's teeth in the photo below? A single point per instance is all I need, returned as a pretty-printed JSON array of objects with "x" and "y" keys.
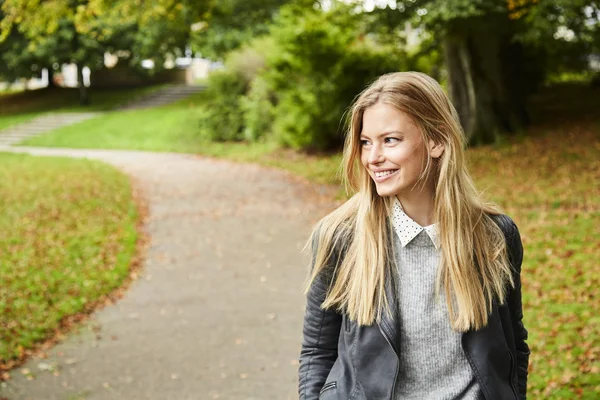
[{"x": 384, "y": 173}]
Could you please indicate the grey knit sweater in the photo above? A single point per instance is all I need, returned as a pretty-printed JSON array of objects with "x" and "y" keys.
[{"x": 432, "y": 362}]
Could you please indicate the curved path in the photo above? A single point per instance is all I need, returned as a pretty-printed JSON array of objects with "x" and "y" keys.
[{"x": 217, "y": 311}]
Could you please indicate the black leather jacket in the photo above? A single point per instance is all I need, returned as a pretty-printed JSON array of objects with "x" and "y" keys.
[{"x": 341, "y": 360}]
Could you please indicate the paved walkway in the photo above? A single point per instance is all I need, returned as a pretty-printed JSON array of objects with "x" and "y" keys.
[{"x": 217, "y": 312}]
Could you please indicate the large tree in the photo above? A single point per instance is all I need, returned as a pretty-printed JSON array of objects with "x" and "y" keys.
[
  {"x": 81, "y": 31},
  {"x": 497, "y": 52},
  {"x": 231, "y": 23}
]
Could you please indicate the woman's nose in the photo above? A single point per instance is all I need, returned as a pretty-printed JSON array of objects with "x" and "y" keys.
[{"x": 375, "y": 155}]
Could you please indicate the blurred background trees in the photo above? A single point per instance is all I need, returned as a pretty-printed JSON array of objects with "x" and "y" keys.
[
  {"x": 42, "y": 34},
  {"x": 492, "y": 55},
  {"x": 292, "y": 67}
]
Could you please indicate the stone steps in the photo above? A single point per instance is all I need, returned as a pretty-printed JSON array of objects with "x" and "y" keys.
[
  {"x": 164, "y": 96},
  {"x": 47, "y": 123},
  {"x": 40, "y": 125}
]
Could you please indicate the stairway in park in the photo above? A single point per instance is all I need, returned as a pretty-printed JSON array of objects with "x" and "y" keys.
[
  {"x": 42, "y": 124},
  {"x": 46, "y": 123},
  {"x": 163, "y": 96}
]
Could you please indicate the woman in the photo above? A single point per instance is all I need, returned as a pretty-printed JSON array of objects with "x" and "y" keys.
[{"x": 415, "y": 287}]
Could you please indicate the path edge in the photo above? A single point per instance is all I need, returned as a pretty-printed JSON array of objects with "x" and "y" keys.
[{"x": 71, "y": 323}]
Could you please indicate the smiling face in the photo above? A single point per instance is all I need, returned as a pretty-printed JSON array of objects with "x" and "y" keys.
[{"x": 393, "y": 151}]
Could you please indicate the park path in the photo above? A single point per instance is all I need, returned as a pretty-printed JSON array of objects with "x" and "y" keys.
[{"x": 217, "y": 311}]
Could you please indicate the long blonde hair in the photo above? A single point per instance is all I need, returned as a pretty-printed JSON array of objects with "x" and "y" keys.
[{"x": 356, "y": 238}]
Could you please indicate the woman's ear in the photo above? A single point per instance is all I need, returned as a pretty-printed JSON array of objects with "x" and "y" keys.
[{"x": 435, "y": 149}]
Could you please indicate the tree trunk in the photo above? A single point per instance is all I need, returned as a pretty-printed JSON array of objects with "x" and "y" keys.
[
  {"x": 478, "y": 55},
  {"x": 84, "y": 96},
  {"x": 51, "y": 83}
]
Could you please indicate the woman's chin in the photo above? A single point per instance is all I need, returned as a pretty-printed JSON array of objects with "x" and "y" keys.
[{"x": 385, "y": 192}]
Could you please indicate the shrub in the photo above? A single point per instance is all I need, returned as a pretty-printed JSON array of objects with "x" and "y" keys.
[
  {"x": 295, "y": 84},
  {"x": 322, "y": 62},
  {"x": 258, "y": 110},
  {"x": 223, "y": 119}
]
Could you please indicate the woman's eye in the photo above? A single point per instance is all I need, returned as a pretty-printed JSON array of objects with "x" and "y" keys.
[
  {"x": 364, "y": 142},
  {"x": 391, "y": 140}
]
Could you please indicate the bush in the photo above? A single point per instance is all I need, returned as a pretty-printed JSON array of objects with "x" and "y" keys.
[
  {"x": 295, "y": 85},
  {"x": 223, "y": 119},
  {"x": 258, "y": 110},
  {"x": 322, "y": 62}
]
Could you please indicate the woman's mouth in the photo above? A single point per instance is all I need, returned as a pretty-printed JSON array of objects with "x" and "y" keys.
[{"x": 381, "y": 176}]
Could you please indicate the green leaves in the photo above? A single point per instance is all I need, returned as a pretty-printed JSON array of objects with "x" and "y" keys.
[
  {"x": 322, "y": 59},
  {"x": 64, "y": 31},
  {"x": 233, "y": 23}
]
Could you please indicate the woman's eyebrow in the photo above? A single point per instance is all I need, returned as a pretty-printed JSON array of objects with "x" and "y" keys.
[{"x": 383, "y": 134}]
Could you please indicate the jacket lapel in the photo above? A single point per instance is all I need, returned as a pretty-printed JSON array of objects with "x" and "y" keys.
[{"x": 389, "y": 320}]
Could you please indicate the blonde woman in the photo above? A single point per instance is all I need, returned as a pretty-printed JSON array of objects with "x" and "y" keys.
[{"x": 415, "y": 288}]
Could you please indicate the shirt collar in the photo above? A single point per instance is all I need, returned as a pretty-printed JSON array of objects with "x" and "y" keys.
[{"x": 407, "y": 229}]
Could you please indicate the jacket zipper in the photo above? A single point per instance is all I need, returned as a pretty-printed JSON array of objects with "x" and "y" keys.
[
  {"x": 327, "y": 386},
  {"x": 512, "y": 381},
  {"x": 387, "y": 339}
]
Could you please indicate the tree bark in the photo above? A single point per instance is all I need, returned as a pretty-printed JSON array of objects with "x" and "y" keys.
[
  {"x": 51, "y": 83},
  {"x": 84, "y": 96},
  {"x": 478, "y": 54}
]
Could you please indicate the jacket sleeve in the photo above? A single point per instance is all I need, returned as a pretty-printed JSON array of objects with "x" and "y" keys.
[
  {"x": 515, "y": 254},
  {"x": 319, "y": 345}
]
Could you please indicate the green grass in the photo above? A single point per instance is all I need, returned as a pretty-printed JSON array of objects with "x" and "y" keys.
[
  {"x": 9, "y": 120},
  {"x": 168, "y": 128},
  {"x": 25, "y": 105},
  {"x": 174, "y": 128},
  {"x": 67, "y": 237}
]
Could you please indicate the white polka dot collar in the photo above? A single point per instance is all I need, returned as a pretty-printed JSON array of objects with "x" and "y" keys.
[{"x": 407, "y": 229}]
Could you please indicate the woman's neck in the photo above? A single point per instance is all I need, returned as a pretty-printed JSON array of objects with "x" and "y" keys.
[{"x": 418, "y": 205}]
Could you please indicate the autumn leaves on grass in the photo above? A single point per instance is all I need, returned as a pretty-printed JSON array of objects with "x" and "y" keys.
[
  {"x": 548, "y": 183},
  {"x": 68, "y": 239}
]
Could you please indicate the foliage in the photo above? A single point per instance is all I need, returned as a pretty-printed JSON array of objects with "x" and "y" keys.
[
  {"x": 67, "y": 236},
  {"x": 62, "y": 31},
  {"x": 15, "y": 61},
  {"x": 560, "y": 33},
  {"x": 232, "y": 24},
  {"x": 237, "y": 96},
  {"x": 258, "y": 110},
  {"x": 31, "y": 46},
  {"x": 222, "y": 121},
  {"x": 323, "y": 60},
  {"x": 295, "y": 84},
  {"x": 563, "y": 32},
  {"x": 498, "y": 52}
]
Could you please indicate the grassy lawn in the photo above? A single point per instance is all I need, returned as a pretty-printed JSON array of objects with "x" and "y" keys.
[
  {"x": 25, "y": 105},
  {"x": 67, "y": 237},
  {"x": 9, "y": 120},
  {"x": 547, "y": 180},
  {"x": 549, "y": 185},
  {"x": 174, "y": 128},
  {"x": 168, "y": 128}
]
